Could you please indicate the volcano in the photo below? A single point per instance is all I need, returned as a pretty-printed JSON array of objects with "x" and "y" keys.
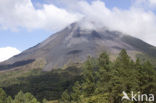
[{"x": 74, "y": 44}]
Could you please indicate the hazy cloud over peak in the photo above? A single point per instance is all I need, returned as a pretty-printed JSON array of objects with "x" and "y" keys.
[{"x": 135, "y": 21}]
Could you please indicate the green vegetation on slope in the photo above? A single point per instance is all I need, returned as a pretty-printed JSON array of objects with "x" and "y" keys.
[
  {"x": 19, "y": 98},
  {"x": 145, "y": 57},
  {"x": 103, "y": 81},
  {"x": 49, "y": 85},
  {"x": 97, "y": 81}
]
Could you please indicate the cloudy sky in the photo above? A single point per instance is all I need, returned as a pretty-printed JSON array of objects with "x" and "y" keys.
[{"x": 24, "y": 23}]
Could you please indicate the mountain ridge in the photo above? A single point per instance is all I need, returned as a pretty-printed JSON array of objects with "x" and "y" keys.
[{"x": 74, "y": 44}]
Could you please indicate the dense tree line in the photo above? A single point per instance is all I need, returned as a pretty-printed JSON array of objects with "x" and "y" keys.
[
  {"x": 104, "y": 81},
  {"x": 48, "y": 85},
  {"x": 101, "y": 81},
  {"x": 19, "y": 98}
]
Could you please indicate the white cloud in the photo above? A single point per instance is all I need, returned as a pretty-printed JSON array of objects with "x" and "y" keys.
[
  {"x": 7, "y": 52},
  {"x": 138, "y": 20},
  {"x": 152, "y": 2},
  {"x": 147, "y": 4},
  {"x": 135, "y": 21},
  {"x": 21, "y": 13}
]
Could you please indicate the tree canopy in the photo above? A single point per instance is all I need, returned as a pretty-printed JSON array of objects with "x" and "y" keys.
[{"x": 103, "y": 81}]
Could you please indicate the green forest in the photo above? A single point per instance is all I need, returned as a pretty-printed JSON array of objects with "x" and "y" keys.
[{"x": 97, "y": 80}]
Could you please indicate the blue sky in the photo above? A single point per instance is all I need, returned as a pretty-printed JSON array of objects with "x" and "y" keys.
[
  {"x": 23, "y": 38},
  {"x": 25, "y": 23},
  {"x": 124, "y": 4}
]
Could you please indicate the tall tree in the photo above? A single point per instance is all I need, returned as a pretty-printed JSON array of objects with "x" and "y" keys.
[
  {"x": 24, "y": 98},
  {"x": 3, "y": 96}
]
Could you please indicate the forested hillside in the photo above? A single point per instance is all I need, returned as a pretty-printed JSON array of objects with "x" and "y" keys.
[
  {"x": 100, "y": 81},
  {"x": 104, "y": 81}
]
